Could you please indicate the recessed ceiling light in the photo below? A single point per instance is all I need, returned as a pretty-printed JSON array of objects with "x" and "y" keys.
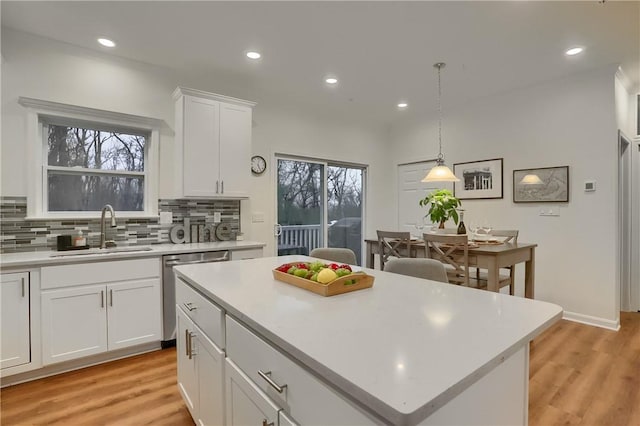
[
  {"x": 574, "y": 51},
  {"x": 106, "y": 42},
  {"x": 403, "y": 105},
  {"x": 253, "y": 55},
  {"x": 331, "y": 80}
]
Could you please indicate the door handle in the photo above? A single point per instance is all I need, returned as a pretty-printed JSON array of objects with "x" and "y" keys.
[
  {"x": 277, "y": 229},
  {"x": 190, "y": 306}
]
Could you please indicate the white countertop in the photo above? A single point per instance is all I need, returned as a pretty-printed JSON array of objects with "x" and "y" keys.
[
  {"x": 403, "y": 348},
  {"x": 41, "y": 258}
]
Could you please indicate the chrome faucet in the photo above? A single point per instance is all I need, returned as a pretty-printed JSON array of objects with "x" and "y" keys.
[{"x": 103, "y": 243}]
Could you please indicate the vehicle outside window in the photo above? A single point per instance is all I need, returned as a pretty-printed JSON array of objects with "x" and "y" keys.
[{"x": 88, "y": 166}]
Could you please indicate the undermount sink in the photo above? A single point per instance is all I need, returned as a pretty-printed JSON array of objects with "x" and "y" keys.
[{"x": 101, "y": 251}]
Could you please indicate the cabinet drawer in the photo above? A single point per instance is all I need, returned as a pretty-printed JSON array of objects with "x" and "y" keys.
[
  {"x": 306, "y": 397},
  {"x": 98, "y": 272},
  {"x": 202, "y": 312}
]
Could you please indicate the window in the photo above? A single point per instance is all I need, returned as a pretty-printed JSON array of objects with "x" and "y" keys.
[
  {"x": 85, "y": 158},
  {"x": 88, "y": 168}
]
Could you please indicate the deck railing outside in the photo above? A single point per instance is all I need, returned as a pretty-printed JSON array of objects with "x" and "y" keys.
[{"x": 308, "y": 236}]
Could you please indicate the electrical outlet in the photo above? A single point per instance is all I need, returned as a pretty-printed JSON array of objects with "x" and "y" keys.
[
  {"x": 550, "y": 211},
  {"x": 216, "y": 217},
  {"x": 166, "y": 218}
]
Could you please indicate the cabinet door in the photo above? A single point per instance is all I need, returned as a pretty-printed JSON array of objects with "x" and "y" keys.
[
  {"x": 201, "y": 147},
  {"x": 235, "y": 150},
  {"x": 14, "y": 317},
  {"x": 187, "y": 374},
  {"x": 246, "y": 403},
  {"x": 134, "y": 313},
  {"x": 74, "y": 323},
  {"x": 210, "y": 371}
]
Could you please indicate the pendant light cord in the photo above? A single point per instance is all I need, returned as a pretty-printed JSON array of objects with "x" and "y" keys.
[{"x": 440, "y": 156}]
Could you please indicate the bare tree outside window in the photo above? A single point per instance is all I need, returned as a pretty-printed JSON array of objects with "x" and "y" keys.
[{"x": 89, "y": 168}]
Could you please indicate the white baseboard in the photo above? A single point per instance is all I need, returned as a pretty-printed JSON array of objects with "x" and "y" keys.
[{"x": 589, "y": 320}]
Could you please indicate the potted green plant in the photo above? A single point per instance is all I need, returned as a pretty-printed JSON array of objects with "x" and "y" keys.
[{"x": 442, "y": 206}]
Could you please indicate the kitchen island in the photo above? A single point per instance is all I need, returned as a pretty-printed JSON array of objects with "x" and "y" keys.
[{"x": 406, "y": 351}]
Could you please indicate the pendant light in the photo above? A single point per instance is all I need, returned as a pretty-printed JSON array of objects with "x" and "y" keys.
[{"x": 440, "y": 173}]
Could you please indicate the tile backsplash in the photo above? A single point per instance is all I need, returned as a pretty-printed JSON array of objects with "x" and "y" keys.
[{"x": 17, "y": 234}]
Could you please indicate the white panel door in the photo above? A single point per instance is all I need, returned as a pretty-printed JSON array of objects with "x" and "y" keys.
[
  {"x": 134, "y": 313},
  {"x": 14, "y": 320},
  {"x": 187, "y": 374},
  {"x": 411, "y": 190},
  {"x": 235, "y": 150},
  {"x": 201, "y": 147},
  {"x": 246, "y": 403},
  {"x": 74, "y": 323},
  {"x": 210, "y": 369}
]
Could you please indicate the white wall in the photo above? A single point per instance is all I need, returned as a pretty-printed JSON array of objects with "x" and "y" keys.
[
  {"x": 568, "y": 122},
  {"x": 43, "y": 69}
]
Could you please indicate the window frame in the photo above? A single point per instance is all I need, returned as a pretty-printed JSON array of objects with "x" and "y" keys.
[{"x": 41, "y": 113}]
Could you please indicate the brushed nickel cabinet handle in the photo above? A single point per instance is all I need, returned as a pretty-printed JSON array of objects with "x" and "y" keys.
[
  {"x": 111, "y": 297},
  {"x": 267, "y": 377},
  {"x": 217, "y": 186},
  {"x": 190, "y": 306},
  {"x": 222, "y": 186},
  {"x": 22, "y": 286},
  {"x": 264, "y": 423},
  {"x": 191, "y": 351},
  {"x": 102, "y": 298},
  {"x": 187, "y": 343}
]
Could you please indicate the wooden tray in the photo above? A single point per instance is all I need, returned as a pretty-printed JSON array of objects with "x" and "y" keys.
[{"x": 337, "y": 286}]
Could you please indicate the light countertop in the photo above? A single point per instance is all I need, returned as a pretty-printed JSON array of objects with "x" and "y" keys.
[
  {"x": 42, "y": 258},
  {"x": 403, "y": 348}
]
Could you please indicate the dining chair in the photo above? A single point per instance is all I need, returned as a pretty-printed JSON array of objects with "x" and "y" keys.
[
  {"x": 453, "y": 252},
  {"x": 335, "y": 254},
  {"x": 507, "y": 236},
  {"x": 429, "y": 269},
  {"x": 391, "y": 244}
]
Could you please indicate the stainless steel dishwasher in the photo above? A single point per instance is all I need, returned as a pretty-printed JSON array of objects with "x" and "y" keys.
[{"x": 169, "y": 286}]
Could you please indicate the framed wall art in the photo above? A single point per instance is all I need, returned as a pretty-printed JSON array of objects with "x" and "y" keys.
[
  {"x": 478, "y": 179},
  {"x": 542, "y": 185}
]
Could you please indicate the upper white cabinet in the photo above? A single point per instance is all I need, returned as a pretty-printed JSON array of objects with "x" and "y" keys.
[
  {"x": 14, "y": 317},
  {"x": 213, "y": 144}
]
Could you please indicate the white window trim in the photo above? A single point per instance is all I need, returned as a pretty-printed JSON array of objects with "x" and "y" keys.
[{"x": 36, "y": 154}]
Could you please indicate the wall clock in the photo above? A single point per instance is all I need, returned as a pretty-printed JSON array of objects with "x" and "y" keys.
[{"x": 258, "y": 164}]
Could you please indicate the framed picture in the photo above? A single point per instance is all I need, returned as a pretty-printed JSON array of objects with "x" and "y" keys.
[
  {"x": 543, "y": 185},
  {"x": 478, "y": 179}
]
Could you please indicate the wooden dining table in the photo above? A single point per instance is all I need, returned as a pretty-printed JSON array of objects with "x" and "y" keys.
[{"x": 491, "y": 257}]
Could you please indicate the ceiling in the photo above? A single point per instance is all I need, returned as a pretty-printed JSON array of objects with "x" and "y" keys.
[{"x": 381, "y": 52}]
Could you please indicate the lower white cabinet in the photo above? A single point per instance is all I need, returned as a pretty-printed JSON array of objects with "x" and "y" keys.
[
  {"x": 15, "y": 348},
  {"x": 200, "y": 372},
  {"x": 90, "y": 319},
  {"x": 246, "y": 403}
]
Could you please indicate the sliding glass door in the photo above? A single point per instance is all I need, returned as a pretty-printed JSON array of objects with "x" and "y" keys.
[{"x": 319, "y": 204}]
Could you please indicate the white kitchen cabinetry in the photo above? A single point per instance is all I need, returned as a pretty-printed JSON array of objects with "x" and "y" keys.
[
  {"x": 246, "y": 403},
  {"x": 213, "y": 144},
  {"x": 16, "y": 345},
  {"x": 200, "y": 372},
  {"x": 88, "y": 309},
  {"x": 286, "y": 383}
]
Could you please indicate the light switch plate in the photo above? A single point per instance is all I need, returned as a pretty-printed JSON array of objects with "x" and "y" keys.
[
  {"x": 257, "y": 217},
  {"x": 166, "y": 218},
  {"x": 216, "y": 217}
]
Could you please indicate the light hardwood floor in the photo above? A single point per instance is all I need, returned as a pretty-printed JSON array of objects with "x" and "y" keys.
[{"x": 579, "y": 375}]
